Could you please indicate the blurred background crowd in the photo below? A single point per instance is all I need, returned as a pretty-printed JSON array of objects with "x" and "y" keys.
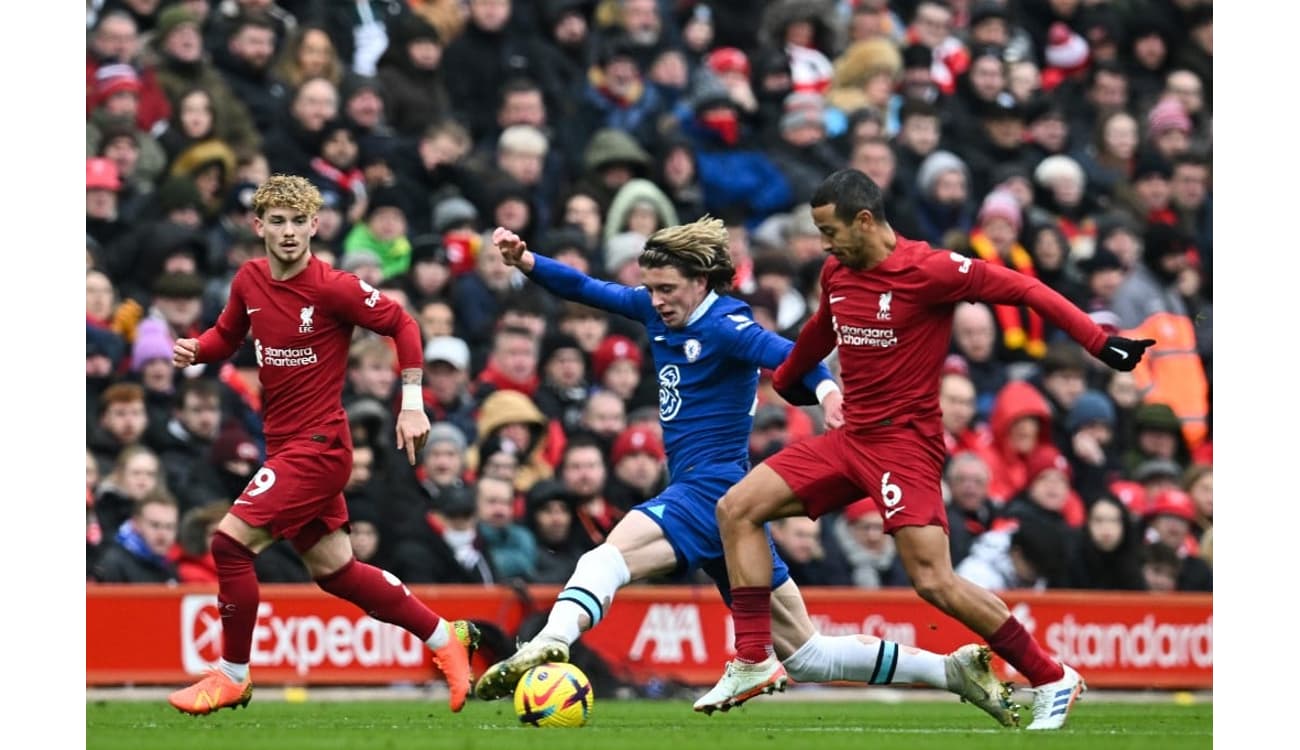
[{"x": 1067, "y": 139}]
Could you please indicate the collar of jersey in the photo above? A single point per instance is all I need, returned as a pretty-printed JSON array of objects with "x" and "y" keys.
[{"x": 703, "y": 308}]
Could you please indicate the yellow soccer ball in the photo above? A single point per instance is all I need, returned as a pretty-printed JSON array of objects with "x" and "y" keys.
[{"x": 554, "y": 695}]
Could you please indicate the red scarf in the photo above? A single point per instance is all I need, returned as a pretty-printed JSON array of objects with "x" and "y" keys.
[
  {"x": 353, "y": 181},
  {"x": 492, "y": 376}
]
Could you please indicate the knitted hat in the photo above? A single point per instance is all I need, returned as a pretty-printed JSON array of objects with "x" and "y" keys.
[
  {"x": 115, "y": 79},
  {"x": 1157, "y": 417},
  {"x": 1065, "y": 48},
  {"x": 523, "y": 139},
  {"x": 171, "y": 18},
  {"x": 857, "y": 510},
  {"x": 545, "y": 491},
  {"x": 1151, "y": 165},
  {"x": 234, "y": 444},
  {"x": 179, "y": 192},
  {"x": 983, "y": 10},
  {"x": 1171, "y": 502},
  {"x": 452, "y": 211},
  {"x": 446, "y": 432},
  {"x": 770, "y": 415},
  {"x": 554, "y": 343},
  {"x": 354, "y": 260},
  {"x": 623, "y": 248},
  {"x": 638, "y": 438},
  {"x": 1001, "y": 204},
  {"x": 1157, "y": 468},
  {"x": 101, "y": 174},
  {"x": 612, "y": 349},
  {"x": 1092, "y": 407},
  {"x": 152, "y": 341},
  {"x": 1058, "y": 167},
  {"x": 935, "y": 165},
  {"x": 1168, "y": 114},
  {"x": 386, "y": 196},
  {"x": 1044, "y": 458},
  {"x": 728, "y": 60}
]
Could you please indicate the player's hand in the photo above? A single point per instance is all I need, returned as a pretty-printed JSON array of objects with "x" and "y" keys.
[
  {"x": 833, "y": 406},
  {"x": 1123, "y": 354},
  {"x": 412, "y": 431},
  {"x": 184, "y": 352},
  {"x": 512, "y": 248}
]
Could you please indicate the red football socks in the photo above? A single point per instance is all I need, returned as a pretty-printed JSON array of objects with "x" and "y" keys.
[
  {"x": 751, "y": 612},
  {"x": 1013, "y": 643},
  {"x": 237, "y": 596},
  {"x": 382, "y": 596}
]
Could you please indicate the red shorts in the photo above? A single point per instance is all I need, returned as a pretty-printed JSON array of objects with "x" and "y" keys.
[
  {"x": 897, "y": 466},
  {"x": 298, "y": 493}
]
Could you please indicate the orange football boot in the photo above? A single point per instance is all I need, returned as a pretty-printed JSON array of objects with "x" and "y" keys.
[
  {"x": 453, "y": 660},
  {"x": 212, "y": 693}
]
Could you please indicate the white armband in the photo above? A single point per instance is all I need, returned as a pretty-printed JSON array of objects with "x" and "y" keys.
[
  {"x": 825, "y": 388},
  {"x": 412, "y": 397}
]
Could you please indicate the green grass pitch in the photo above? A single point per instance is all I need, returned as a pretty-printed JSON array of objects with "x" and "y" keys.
[{"x": 637, "y": 725}]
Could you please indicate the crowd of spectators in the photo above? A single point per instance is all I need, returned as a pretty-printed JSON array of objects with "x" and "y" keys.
[{"x": 1068, "y": 139}]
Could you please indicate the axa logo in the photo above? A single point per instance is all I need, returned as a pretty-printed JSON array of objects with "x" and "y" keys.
[
  {"x": 670, "y": 627},
  {"x": 885, "y": 300},
  {"x": 304, "y": 319}
]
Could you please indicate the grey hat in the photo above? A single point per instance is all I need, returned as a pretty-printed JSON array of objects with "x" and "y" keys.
[
  {"x": 452, "y": 211},
  {"x": 355, "y": 259},
  {"x": 1155, "y": 468},
  {"x": 936, "y": 164},
  {"x": 770, "y": 415},
  {"x": 446, "y": 432}
]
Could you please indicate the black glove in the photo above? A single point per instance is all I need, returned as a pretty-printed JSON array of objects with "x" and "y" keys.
[
  {"x": 1123, "y": 354},
  {"x": 798, "y": 395}
]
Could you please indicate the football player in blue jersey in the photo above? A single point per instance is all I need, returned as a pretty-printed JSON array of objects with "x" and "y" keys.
[{"x": 707, "y": 353}]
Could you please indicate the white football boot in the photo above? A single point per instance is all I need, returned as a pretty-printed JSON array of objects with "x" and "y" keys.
[{"x": 742, "y": 681}]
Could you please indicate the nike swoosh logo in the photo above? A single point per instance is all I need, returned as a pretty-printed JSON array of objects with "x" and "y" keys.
[
  {"x": 833, "y": 300},
  {"x": 243, "y": 502},
  {"x": 543, "y": 697},
  {"x": 661, "y": 338},
  {"x": 1122, "y": 354},
  {"x": 252, "y": 310},
  {"x": 888, "y": 514}
]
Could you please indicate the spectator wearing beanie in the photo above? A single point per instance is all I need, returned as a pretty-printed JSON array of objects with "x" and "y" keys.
[
  {"x": 1092, "y": 448},
  {"x": 1169, "y": 517},
  {"x": 549, "y": 515},
  {"x": 1169, "y": 129},
  {"x": 411, "y": 73},
  {"x": 944, "y": 210},
  {"x": 637, "y": 466},
  {"x": 563, "y": 393},
  {"x": 616, "y": 366},
  {"x": 995, "y": 240}
]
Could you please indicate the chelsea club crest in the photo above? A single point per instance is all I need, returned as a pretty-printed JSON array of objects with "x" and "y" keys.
[{"x": 692, "y": 349}]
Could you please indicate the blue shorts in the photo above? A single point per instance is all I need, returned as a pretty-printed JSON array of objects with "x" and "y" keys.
[{"x": 687, "y": 514}]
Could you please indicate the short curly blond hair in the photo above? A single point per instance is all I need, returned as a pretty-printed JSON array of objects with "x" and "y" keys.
[{"x": 287, "y": 191}]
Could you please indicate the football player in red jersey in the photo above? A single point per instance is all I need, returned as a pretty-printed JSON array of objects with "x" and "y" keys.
[
  {"x": 301, "y": 313},
  {"x": 887, "y": 303}
]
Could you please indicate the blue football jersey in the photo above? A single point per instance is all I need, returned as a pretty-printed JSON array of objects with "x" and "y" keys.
[{"x": 707, "y": 369}]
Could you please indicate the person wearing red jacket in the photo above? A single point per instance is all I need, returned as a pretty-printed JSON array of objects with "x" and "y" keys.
[
  {"x": 887, "y": 302},
  {"x": 301, "y": 314}
]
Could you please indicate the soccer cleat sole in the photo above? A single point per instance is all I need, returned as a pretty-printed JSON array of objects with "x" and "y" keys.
[
  {"x": 1012, "y": 714},
  {"x": 777, "y": 685},
  {"x": 500, "y": 679}
]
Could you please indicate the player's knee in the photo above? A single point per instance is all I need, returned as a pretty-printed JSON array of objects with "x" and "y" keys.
[{"x": 935, "y": 586}]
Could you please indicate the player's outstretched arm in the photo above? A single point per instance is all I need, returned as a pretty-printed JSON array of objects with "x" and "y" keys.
[
  {"x": 760, "y": 347},
  {"x": 220, "y": 341},
  {"x": 999, "y": 285},
  {"x": 569, "y": 283}
]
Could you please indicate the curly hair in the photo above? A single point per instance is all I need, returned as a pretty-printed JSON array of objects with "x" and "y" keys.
[
  {"x": 698, "y": 249},
  {"x": 287, "y": 191}
]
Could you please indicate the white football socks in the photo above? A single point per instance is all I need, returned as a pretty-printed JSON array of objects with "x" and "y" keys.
[
  {"x": 236, "y": 672},
  {"x": 589, "y": 591},
  {"x": 847, "y": 657},
  {"x": 441, "y": 635}
]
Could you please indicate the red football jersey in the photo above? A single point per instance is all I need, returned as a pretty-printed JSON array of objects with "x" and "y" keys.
[
  {"x": 893, "y": 324},
  {"x": 302, "y": 329}
]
